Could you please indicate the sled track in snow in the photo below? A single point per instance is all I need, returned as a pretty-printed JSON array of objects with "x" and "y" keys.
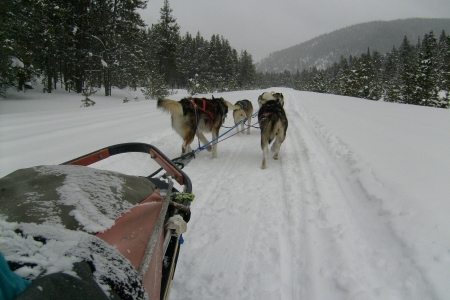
[
  {"x": 307, "y": 243},
  {"x": 333, "y": 193}
]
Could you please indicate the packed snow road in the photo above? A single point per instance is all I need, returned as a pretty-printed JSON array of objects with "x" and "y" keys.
[
  {"x": 304, "y": 228},
  {"x": 356, "y": 207}
]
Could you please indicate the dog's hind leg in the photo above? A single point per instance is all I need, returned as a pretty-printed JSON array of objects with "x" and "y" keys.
[
  {"x": 242, "y": 126},
  {"x": 188, "y": 138},
  {"x": 265, "y": 156},
  {"x": 239, "y": 116},
  {"x": 203, "y": 139},
  {"x": 215, "y": 134},
  {"x": 249, "y": 120},
  {"x": 275, "y": 148},
  {"x": 277, "y": 143},
  {"x": 186, "y": 148},
  {"x": 265, "y": 149},
  {"x": 237, "y": 126}
]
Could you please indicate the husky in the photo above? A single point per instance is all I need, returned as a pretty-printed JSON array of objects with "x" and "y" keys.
[
  {"x": 245, "y": 111},
  {"x": 194, "y": 116},
  {"x": 273, "y": 125},
  {"x": 266, "y": 96}
]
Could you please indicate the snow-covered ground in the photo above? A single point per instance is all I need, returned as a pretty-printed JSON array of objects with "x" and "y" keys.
[{"x": 357, "y": 206}]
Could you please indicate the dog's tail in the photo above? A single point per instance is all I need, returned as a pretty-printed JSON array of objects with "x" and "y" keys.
[
  {"x": 232, "y": 106},
  {"x": 172, "y": 106}
]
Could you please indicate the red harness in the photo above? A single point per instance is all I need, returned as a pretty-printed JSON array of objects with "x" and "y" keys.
[
  {"x": 265, "y": 116},
  {"x": 210, "y": 114}
]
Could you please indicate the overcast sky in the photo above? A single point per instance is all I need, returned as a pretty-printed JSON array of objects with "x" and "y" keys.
[{"x": 265, "y": 26}]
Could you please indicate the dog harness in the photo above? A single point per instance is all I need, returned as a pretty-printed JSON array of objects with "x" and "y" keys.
[
  {"x": 266, "y": 115},
  {"x": 242, "y": 104},
  {"x": 210, "y": 114}
]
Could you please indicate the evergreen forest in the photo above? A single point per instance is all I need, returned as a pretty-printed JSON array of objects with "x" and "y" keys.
[
  {"x": 416, "y": 73},
  {"x": 86, "y": 45}
]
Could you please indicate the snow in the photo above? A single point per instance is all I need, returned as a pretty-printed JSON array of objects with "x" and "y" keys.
[
  {"x": 356, "y": 207},
  {"x": 84, "y": 189},
  {"x": 15, "y": 62}
]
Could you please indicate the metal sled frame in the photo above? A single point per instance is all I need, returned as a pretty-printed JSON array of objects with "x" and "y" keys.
[{"x": 172, "y": 241}]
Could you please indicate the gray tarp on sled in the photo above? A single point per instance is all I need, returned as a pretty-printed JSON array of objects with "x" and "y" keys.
[
  {"x": 69, "y": 226},
  {"x": 75, "y": 197}
]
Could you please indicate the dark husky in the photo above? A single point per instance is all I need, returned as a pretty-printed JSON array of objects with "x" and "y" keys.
[
  {"x": 245, "y": 111},
  {"x": 193, "y": 116},
  {"x": 273, "y": 124},
  {"x": 266, "y": 96}
]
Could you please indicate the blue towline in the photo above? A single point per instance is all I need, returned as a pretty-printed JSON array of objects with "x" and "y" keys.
[{"x": 201, "y": 148}]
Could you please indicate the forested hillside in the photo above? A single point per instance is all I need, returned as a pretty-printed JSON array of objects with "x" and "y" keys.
[
  {"x": 324, "y": 50},
  {"x": 415, "y": 73}
]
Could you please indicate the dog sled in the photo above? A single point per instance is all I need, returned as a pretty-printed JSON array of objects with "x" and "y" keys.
[{"x": 71, "y": 231}]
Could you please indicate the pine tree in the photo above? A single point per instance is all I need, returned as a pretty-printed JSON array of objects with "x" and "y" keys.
[
  {"x": 391, "y": 80},
  {"x": 342, "y": 77},
  {"x": 352, "y": 84},
  {"x": 408, "y": 72},
  {"x": 17, "y": 29},
  {"x": 229, "y": 60},
  {"x": 185, "y": 54},
  {"x": 214, "y": 75},
  {"x": 247, "y": 71},
  {"x": 316, "y": 81},
  {"x": 426, "y": 87},
  {"x": 444, "y": 69},
  {"x": 166, "y": 38},
  {"x": 365, "y": 76},
  {"x": 155, "y": 86},
  {"x": 197, "y": 85},
  {"x": 376, "y": 85}
]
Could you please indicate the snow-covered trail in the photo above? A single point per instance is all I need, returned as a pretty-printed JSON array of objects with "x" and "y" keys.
[
  {"x": 338, "y": 212},
  {"x": 305, "y": 228},
  {"x": 355, "y": 208}
]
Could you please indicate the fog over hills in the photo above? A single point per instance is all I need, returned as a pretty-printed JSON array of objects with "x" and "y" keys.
[{"x": 354, "y": 40}]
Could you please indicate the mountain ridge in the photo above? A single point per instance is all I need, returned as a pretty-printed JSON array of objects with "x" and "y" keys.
[{"x": 354, "y": 40}]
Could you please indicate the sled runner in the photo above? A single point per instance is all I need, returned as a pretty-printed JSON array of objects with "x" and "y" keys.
[{"x": 75, "y": 232}]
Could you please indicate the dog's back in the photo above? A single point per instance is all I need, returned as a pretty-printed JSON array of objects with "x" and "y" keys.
[
  {"x": 207, "y": 113},
  {"x": 273, "y": 125},
  {"x": 193, "y": 116},
  {"x": 245, "y": 111},
  {"x": 245, "y": 106},
  {"x": 210, "y": 112}
]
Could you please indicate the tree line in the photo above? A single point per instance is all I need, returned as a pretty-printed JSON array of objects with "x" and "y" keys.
[
  {"x": 81, "y": 44},
  {"x": 416, "y": 74},
  {"x": 85, "y": 45}
]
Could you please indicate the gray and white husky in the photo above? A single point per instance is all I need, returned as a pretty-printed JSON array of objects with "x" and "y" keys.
[
  {"x": 273, "y": 124},
  {"x": 245, "y": 111}
]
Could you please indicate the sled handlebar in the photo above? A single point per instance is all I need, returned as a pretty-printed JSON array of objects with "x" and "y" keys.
[{"x": 168, "y": 165}]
